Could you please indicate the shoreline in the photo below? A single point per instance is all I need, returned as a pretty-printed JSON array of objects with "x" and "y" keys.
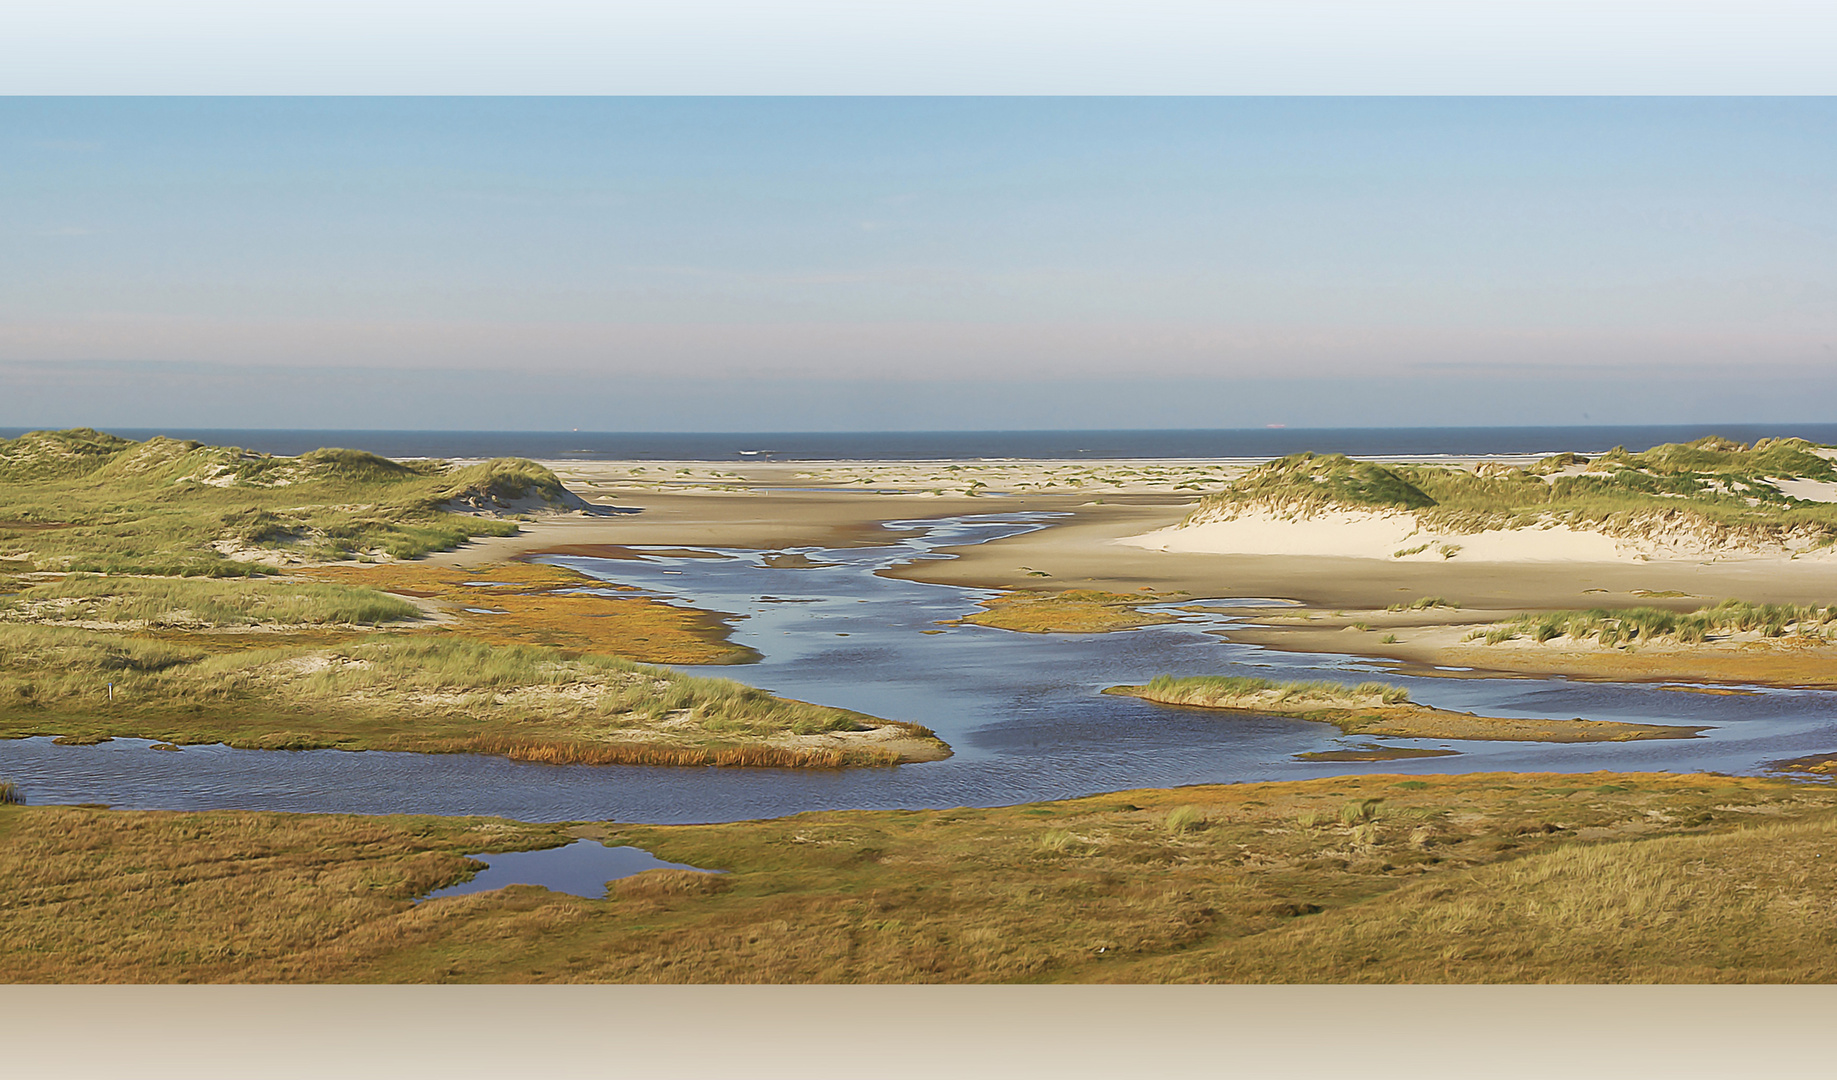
[
  {"x": 768, "y": 509},
  {"x": 1403, "y": 719}
]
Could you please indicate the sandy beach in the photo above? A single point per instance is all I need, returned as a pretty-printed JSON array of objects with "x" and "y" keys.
[
  {"x": 770, "y": 505},
  {"x": 1119, "y": 533}
]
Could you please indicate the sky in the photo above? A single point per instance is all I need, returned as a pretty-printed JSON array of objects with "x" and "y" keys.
[{"x": 915, "y": 263}]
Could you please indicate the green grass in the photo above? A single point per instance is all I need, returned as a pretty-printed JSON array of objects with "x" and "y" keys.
[
  {"x": 84, "y": 501},
  {"x": 1307, "y": 479},
  {"x": 401, "y": 692},
  {"x": 1198, "y": 689},
  {"x": 134, "y": 636},
  {"x": 202, "y": 602},
  {"x": 11, "y": 794},
  {"x": 1628, "y": 625},
  {"x": 1186, "y": 819},
  {"x": 1714, "y": 486},
  {"x": 1424, "y": 604}
]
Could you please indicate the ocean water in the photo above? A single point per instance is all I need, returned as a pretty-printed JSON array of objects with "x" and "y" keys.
[{"x": 975, "y": 445}]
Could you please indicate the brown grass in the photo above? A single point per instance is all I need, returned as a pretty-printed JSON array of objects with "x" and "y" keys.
[
  {"x": 1075, "y": 611},
  {"x": 426, "y": 693},
  {"x": 638, "y": 753},
  {"x": 541, "y": 606},
  {"x": 549, "y": 680},
  {"x": 1503, "y": 877},
  {"x": 1380, "y": 711},
  {"x": 94, "y": 896}
]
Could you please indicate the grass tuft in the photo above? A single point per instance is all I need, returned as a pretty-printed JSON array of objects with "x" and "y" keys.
[
  {"x": 1186, "y": 819},
  {"x": 1631, "y": 625},
  {"x": 1217, "y": 690}
]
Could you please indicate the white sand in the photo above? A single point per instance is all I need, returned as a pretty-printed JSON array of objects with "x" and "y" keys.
[
  {"x": 1356, "y": 534},
  {"x": 1380, "y": 535},
  {"x": 1820, "y": 491}
]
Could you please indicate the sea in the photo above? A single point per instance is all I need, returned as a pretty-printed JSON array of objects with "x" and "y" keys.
[{"x": 980, "y": 445}]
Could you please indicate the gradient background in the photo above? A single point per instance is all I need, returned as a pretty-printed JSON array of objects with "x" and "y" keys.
[{"x": 135, "y": 326}]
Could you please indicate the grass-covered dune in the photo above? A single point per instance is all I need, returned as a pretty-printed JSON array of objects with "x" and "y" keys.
[
  {"x": 427, "y": 693},
  {"x": 82, "y": 500},
  {"x": 1719, "y": 491},
  {"x": 119, "y": 602},
  {"x": 1379, "y": 710},
  {"x": 142, "y": 595},
  {"x": 1479, "y": 878}
]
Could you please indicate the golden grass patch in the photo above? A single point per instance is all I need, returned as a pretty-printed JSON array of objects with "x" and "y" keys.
[
  {"x": 536, "y": 604},
  {"x": 1491, "y": 877},
  {"x": 1075, "y": 611}
]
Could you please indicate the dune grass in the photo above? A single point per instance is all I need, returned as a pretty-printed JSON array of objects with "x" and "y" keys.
[
  {"x": 1227, "y": 691},
  {"x": 202, "y": 602},
  {"x": 436, "y": 694},
  {"x": 1626, "y": 626},
  {"x": 1477, "y": 878},
  {"x": 1380, "y": 710},
  {"x": 1319, "y": 480},
  {"x": 84, "y": 501},
  {"x": 134, "y": 637},
  {"x": 1721, "y": 490},
  {"x": 1424, "y": 604}
]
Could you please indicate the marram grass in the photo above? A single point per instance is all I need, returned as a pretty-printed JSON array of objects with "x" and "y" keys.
[{"x": 1723, "y": 491}]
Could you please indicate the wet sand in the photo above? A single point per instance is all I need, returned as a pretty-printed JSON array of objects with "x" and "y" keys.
[
  {"x": 773, "y": 507},
  {"x": 725, "y": 520}
]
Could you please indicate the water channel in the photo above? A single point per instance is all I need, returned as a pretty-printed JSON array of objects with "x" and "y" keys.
[{"x": 1023, "y": 712}]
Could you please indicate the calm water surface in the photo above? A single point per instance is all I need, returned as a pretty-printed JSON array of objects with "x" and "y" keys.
[
  {"x": 1022, "y": 711},
  {"x": 583, "y": 868}
]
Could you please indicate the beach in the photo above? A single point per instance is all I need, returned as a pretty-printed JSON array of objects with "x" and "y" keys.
[{"x": 1115, "y": 528}]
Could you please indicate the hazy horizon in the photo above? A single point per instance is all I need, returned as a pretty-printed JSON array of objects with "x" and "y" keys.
[{"x": 916, "y": 264}]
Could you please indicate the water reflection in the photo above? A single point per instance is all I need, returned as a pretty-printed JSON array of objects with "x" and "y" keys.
[
  {"x": 1022, "y": 711},
  {"x": 583, "y": 868}
]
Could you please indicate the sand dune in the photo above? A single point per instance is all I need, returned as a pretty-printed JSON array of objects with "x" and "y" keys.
[
  {"x": 1398, "y": 536},
  {"x": 1380, "y": 535}
]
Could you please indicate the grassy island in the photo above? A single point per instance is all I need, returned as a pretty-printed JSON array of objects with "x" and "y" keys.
[
  {"x": 194, "y": 594},
  {"x": 1074, "y": 611},
  {"x": 1380, "y": 710}
]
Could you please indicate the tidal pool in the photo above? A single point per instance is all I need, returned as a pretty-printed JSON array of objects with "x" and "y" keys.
[
  {"x": 583, "y": 868},
  {"x": 1023, "y": 712}
]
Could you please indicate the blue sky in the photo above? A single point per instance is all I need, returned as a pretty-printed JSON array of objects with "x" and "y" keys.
[{"x": 920, "y": 263}]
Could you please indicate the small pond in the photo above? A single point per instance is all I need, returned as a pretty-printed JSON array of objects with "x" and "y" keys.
[{"x": 582, "y": 868}]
